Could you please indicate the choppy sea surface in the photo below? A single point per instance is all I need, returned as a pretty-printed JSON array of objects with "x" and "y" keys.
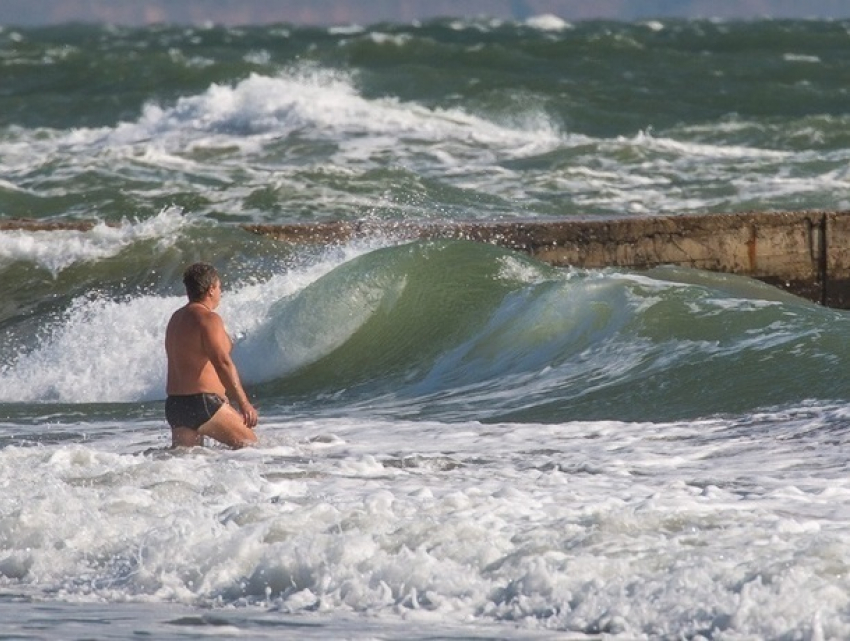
[{"x": 456, "y": 441}]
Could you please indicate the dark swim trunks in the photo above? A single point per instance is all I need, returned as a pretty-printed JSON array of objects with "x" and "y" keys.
[{"x": 192, "y": 410}]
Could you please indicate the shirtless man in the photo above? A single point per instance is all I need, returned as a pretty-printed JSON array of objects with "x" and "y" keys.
[{"x": 201, "y": 374}]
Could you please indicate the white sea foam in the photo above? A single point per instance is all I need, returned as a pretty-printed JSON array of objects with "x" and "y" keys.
[
  {"x": 690, "y": 149},
  {"x": 327, "y": 104},
  {"x": 397, "y": 39},
  {"x": 346, "y": 30},
  {"x": 236, "y": 136},
  {"x": 798, "y": 57},
  {"x": 76, "y": 362},
  {"x": 548, "y": 22},
  {"x": 57, "y": 250},
  {"x": 673, "y": 529}
]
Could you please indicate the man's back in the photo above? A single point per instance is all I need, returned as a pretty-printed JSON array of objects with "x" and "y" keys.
[{"x": 190, "y": 370}]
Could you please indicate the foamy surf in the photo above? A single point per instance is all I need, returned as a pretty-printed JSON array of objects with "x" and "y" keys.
[
  {"x": 57, "y": 250},
  {"x": 608, "y": 529}
]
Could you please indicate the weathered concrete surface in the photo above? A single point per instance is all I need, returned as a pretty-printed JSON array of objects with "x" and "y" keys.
[{"x": 806, "y": 253}]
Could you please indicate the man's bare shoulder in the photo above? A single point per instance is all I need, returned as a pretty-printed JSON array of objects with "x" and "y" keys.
[
  {"x": 194, "y": 312},
  {"x": 186, "y": 319}
]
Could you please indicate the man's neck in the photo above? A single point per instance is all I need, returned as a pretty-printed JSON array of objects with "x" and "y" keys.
[{"x": 202, "y": 304}]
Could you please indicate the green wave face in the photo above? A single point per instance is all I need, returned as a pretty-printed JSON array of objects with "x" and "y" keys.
[
  {"x": 447, "y": 329},
  {"x": 457, "y": 328},
  {"x": 391, "y": 313}
]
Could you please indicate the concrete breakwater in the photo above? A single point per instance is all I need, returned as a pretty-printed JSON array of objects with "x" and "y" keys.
[{"x": 806, "y": 252}]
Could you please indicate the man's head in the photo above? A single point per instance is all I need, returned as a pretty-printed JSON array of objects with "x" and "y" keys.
[{"x": 199, "y": 279}]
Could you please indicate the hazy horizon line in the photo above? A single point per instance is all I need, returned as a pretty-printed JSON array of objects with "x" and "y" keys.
[{"x": 335, "y": 12}]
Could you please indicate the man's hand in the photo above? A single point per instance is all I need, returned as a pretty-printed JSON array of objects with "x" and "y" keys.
[{"x": 249, "y": 415}]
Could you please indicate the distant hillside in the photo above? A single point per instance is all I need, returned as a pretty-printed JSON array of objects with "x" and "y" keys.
[{"x": 326, "y": 12}]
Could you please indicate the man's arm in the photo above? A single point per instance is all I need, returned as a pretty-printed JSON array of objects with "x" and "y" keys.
[{"x": 218, "y": 346}]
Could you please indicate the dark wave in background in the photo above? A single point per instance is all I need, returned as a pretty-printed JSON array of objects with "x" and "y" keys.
[
  {"x": 448, "y": 119},
  {"x": 580, "y": 74}
]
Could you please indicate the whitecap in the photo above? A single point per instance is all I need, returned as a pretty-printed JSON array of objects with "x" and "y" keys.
[
  {"x": 56, "y": 250},
  {"x": 798, "y": 57},
  {"x": 548, "y": 22}
]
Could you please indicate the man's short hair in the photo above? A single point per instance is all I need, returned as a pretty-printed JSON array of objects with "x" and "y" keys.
[{"x": 199, "y": 278}]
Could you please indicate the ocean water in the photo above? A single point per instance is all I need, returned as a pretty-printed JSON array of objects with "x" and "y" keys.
[{"x": 456, "y": 441}]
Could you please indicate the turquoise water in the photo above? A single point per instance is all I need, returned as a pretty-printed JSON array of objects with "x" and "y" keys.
[{"x": 456, "y": 441}]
